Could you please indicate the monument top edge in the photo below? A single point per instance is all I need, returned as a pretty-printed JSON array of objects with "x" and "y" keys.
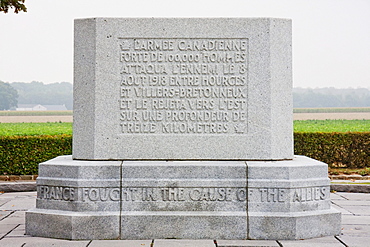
[{"x": 183, "y": 18}]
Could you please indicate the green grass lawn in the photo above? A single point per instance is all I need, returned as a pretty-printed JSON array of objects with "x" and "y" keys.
[
  {"x": 9, "y": 129},
  {"x": 332, "y": 125},
  {"x": 17, "y": 129}
]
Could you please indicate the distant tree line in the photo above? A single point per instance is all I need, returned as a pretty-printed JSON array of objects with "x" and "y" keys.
[
  {"x": 330, "y": 97},
  {"x": 8, "y": 96},
  {"x": 15, "y": 93},
  {"x": 61, "y": 93}
]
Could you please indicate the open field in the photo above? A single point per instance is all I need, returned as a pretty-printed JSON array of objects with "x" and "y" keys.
[
  {"x": 56, "y": 128},
  {"x": 331, "y": 115},
  {"x": 22, "y": 129},
  {"x": 296, "y": 116},
  {"x": 331, "y": 125},
  {"x": 35, "y": 116},
  {"x": 331, "y": 110},
  {"x": 349, "y": 113}
]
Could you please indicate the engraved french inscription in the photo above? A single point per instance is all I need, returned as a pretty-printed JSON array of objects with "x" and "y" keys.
[{"x": 183, "y": 86}]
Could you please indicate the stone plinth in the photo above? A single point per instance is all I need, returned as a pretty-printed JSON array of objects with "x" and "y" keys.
[{"x": 183, "y": 199}]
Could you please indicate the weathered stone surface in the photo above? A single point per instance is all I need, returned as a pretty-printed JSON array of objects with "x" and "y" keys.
[
  {"x": 294, "y": 185},
  {"x": 183, "y": 243},
  {"x": 182, "y": 129},
  {"x": 187, "y": 199},
  {"x": 72, "y": 225},
  {"x": 183, "y": 199},
  {"x": 296, "y": 225},
  {"x": 219, "y": 89},
  {"x": 184, "y": 225},
  {"x": 245, "y": 243},
  {"x": 17, "y": 186}
]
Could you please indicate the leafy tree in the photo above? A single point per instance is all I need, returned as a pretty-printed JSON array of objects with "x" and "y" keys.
[
  {"x": 59, "y": 93},
  {"x": 8, "y": 96},
  {"x": 331, "y": 97},
  {"x": 16, "y": 4}
]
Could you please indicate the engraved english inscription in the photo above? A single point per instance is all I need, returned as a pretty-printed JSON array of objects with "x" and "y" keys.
[{"x": 183, "y": 86}]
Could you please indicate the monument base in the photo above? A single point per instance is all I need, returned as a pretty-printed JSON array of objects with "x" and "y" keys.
[{"x": 183, "y": 199}]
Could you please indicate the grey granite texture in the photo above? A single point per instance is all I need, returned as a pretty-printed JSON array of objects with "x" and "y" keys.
[
  {"x": 184, "y": 225},
  {"x": 12, "y": 229},
  {"x": 245, "y": 243},
  {"x": 355, "y": 188},
  {"x": 187, "y": 199},
  {"x": 75, "y": 185},
  {"x": 171, "y": 114},
  {"x": 302, "y": 225},
  {"x": 291, "y": 186},
  {"x": 72, "y": 225},
  {"x": 183, "y": 199},
  {"x": 183, "y": 243},
  {"x": 121, "y": 243},
  {"x": 17, "y": 186}
]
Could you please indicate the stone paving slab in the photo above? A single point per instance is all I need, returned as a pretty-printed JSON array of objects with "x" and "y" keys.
[
  {"x": 16, "y": 217},
  {"x": 356, "y": 228},
  {"x": 355, "y": 241},
  {"x": 40, "y": 242},
  {"x": 355, "y": 196},
  {"x": 183, "y": 243},
  {"x": 20, "y": 203},
  {"x": 335, "y": 197},
  {"x": 18, "y": 232},
  {"x": 342, "y": 210},
  {"x": 345, "y": 203},
  {"x": 355, "y": 220},
  {"x": 4, "y": 214},
  {"x": 322, "y": 242},
  {"x": 6, "y": 228},
  {"x": 121, "y": 243},
  {"x": 242, "y": 243},
  {"x": 358, "y": 210}
]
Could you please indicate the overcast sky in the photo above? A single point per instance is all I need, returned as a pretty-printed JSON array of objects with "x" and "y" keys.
[{"x": 331, "y": 38}]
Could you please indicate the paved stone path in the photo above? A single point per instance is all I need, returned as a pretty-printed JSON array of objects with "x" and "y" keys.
[{"x": 355, "y": 208}]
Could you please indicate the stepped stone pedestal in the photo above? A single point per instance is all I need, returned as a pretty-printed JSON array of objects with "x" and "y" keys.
[{"x": 183, "y": 129}]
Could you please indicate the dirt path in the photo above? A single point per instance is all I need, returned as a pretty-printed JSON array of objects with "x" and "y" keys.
[
  {"x": 35, "y": 119},
  {"x": 323, "y": 116}
]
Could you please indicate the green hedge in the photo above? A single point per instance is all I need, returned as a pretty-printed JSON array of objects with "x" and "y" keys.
[
  {"x": 347, "y": 150},
  {"x": 20, "y": 155}
]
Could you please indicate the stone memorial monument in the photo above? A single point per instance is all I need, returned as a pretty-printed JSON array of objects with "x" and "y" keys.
[{"x": 183, "y": 129}]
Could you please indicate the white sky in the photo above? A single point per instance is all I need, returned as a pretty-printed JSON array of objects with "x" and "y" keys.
[{"x": 331, "y": 38}]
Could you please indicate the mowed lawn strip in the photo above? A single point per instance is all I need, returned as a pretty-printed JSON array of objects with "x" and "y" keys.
[
  {"x": 57, "y": 128},
  {"x": 34, "y": 129},
  {"x": 332, "y": 126}
]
